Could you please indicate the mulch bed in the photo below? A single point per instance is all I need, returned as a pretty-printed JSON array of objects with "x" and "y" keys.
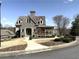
[
  {"x": 51, "y": 43},
  {"x": 14, "y": 48}
]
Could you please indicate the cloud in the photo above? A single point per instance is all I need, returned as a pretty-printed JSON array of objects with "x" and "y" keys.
[
  {"x": 5, "y": 22},
  {"x": 68, "y": 1}
]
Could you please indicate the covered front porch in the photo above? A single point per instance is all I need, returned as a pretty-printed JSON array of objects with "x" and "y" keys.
[{"x": 44, "y": 31}]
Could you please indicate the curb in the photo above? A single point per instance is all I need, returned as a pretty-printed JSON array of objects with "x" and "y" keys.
[
  {"x": 64, "y": 45},
  {"x": 23, "y": 52}
]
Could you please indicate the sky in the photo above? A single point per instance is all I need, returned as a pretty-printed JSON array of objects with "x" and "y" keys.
[{"x": 12, "y": 9}]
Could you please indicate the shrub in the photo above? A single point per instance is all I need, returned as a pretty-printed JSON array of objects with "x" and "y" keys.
[
  {"x": 58, "y": 39},
  {"x": 53, "y": 35},
  {"x": 67, "y": 40},
  {"x": 58, "y": 35},
  {"x": 70, "y": 36}
]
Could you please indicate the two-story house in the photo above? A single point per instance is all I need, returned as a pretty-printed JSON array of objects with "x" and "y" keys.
[{"x": 33, "y": 25}]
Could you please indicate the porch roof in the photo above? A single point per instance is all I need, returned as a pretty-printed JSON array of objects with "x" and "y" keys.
[{"x": 46, "y": 27}]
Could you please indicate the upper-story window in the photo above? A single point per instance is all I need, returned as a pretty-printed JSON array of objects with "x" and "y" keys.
[
  {"x": 19, "y": 21},
  {"x": 38, "y": 22},
  {"x": 41, "y": 21},
  {"x": 28, "y": 21}
]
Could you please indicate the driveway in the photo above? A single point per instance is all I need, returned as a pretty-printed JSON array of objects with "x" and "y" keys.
[{"x": 67, "y": 53}]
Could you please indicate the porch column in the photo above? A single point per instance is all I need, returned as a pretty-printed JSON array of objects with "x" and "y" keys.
[
  {"x": 45, "y": 32},
  {"x": 32, "y": 32},
  {"x": 25, "y": 32}
]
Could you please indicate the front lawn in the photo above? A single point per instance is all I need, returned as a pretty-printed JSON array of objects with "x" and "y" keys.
[{"x": 13, "y": 45}]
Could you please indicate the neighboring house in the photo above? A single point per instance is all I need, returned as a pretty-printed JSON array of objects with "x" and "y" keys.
[
  {"x": 33, "y": 25},
  {"x": 6, "y": 33}
]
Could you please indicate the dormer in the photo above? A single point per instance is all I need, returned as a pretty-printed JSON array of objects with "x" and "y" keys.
[
  {"x": 19, "y": 21},
  {"x": 41, "y": 21}
]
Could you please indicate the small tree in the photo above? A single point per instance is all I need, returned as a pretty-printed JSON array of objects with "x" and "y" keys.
[
  {"x": 75, "y": 27},
  {"x": 62, "y": 23}
]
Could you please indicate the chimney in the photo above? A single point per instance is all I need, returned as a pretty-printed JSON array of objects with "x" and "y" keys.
[{"x": 32, "y": 13}]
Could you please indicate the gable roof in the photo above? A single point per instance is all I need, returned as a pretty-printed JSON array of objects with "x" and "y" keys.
[{"x": 34, "y": 19}]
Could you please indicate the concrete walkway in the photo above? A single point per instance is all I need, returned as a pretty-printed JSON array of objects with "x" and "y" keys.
[{"x": 34, "y": 46}]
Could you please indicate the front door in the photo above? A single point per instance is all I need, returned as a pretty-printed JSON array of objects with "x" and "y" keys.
[{"x": 28, "y": 31}]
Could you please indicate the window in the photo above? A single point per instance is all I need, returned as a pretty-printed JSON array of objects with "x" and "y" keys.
[
  {"x": 28, "y": 21},
  {"x": 46, "y": 32},
  {"x": 38, "y": 22},
  {"x": 50, "y": 32},
  {"x": 41, "y": 22},
  {"x": 19, "y": 21}
]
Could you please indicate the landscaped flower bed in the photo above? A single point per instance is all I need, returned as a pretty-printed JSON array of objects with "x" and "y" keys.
[
  {"x": 51, "y": 43},
  {"x": 57, "y": 41}
]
